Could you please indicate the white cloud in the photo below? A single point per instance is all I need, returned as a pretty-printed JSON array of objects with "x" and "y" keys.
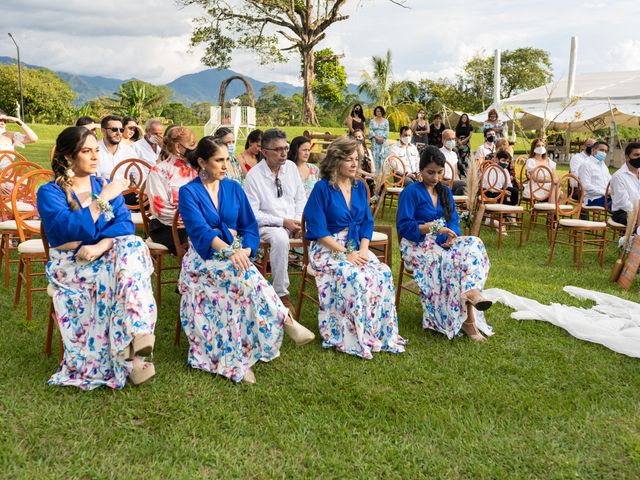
[{"x": 627, "y": 55}]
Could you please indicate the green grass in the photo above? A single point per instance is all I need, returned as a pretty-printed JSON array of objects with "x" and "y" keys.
[{"x": 533, "y": 402}]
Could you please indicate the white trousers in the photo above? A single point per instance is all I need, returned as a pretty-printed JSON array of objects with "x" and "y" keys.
[{"x": 278, "y": 240}]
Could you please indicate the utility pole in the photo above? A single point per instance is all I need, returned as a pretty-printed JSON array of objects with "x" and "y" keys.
[{"x": 21, "y": 114}]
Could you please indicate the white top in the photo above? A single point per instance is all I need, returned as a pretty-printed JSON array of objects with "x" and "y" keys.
[
  {"x": 576, "y": 161},
  {"x": 530, "y": 166},
  {"x": 493, "y": 177},
  {"x": 625, "y": 189},
  {"x": 108, "y": 161},
  {"x": 451, "y": 157},
  {"x": 144, "y": 151},
  {"x": 484, "y": 150},
  {"x": 261, "y": 190},
  {"x": 594, "y": 176},
  {"x": 410, "y": 156}
]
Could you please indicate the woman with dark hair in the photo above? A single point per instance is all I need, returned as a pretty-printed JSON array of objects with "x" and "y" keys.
[
  {"x": 494, "y": 123},
  {"x": 132, "y": 131},
  {"x": 250, "y": 156},
  {"x": 435, "y": 131},
  {"x": 379, "y": 134},
  {"x": 100, "y": 270},
  {"x": 299, "y": 153},
  {"x": 356, "y": 119},
  {"x": 464, "y": 130},
  {"x": 357, "y": 314},
  {"x": 231, "y": 315},
  {"x": 420, "y": 128},
  {"x": 366, "y": 168},
  {"x": 449, "y": 270},
  {"x": 226, "y": 136}
]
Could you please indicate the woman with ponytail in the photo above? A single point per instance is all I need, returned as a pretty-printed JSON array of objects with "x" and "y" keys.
[
  {"x": 100, "y": 270},
  {"x": 449, "y": 270}
]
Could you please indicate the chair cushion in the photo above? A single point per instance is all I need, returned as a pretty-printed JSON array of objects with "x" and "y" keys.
[
  {"x": 550, "y": 206},
  {"x": 612, "y": 224},
  {"x": 12, "y": 225},
  {"x": 593, "y": 208},
  {"x": 295, "y": 242},
  {"x": 22, "y": 206},
  {"x": 34, "y": 245},
  {"x": 51, "y": 290},
  {"x": 574, "y": 222},
  {"x": 379, "y": 237},
  {"x": 394, "y": 189},
  {"x": 499, "y": 207},
  {"x": 155, "y": 246},
  {"x": 460, "y": 198},
  {"x": 136, "y": 218},
  {"x": 310, "y": 270}
]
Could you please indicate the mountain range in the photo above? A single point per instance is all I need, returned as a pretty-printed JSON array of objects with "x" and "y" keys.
[{"x": 203, "y": 86}]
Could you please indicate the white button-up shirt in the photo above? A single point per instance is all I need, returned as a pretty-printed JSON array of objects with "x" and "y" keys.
[
  {"x": 625, "y": 189},
  {"x": 409, "y": 156},
  {"x": 144, "y": 151},
  {"x": 261, "y": 190},
  {"x": 451, "y": 157},
  {"x": 594, "y": 176},
  {"x": 576, "y": 161},
  {"x": 108, "y": 161},
  {"x": 484, "y": 150}
]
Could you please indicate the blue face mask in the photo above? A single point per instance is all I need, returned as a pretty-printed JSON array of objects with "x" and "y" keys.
[
  {"x": 232, "y": 148},
  {"x": 600, "y": 156}
]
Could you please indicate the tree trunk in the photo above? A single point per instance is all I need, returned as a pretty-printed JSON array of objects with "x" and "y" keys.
[{"x": 308, "y": 101}]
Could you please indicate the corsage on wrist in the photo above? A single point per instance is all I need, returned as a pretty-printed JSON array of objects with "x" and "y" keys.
[
  {"x": 436, "y": 225},
  {"x": 231, "y": 250},
  {"x": 350, "y": 249},
  {"x": 105, "y": 207}
]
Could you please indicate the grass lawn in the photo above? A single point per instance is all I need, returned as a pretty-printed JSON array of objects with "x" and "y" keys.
[{"x": 533, "y": 402}]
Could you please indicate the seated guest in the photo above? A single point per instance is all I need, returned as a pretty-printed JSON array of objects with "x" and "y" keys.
[
  {"x": 503, "y": 159},
  {"x": 578, "y": 159},
  {"x": 625, "y": 184},
  {"x": 487, "y": 150},
  {"x": 408, "y": 153},
  {"x": 276, "y": 194},
  {"x": 357, "y": 314},
  {"x": 299, "y": 153},
  {"x": 231, "y": 315},
  {"x": 450, "y": 270},
  {"x": 226, "y": 136},
  {"x": 538, "y": 158},
  {"x": 448, "y": 144},
  {"x": 165, "y": 179},
  {"x": 594, "y": 175},
  {"x": 9, "y": 140},
  {"x": 435, "y": 131},
  {"x": 148, "y": 148},
  {"x": 132, "y": 131},
  {"x": 251, "y": 154},
  {"x": 112, "y": 149},
  {"x": 366, "y": 168},
  {"x": 103, "y": 298},
  {"x": 88, "y": 122}
]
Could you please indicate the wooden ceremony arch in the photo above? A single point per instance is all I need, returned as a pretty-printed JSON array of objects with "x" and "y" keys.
[{"x": 225, "y": 84}]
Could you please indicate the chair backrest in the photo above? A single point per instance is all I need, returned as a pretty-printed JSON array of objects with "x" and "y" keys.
[
  {"x": 135, "y": 170},
  {"x": 493, "y": 180},
  {"x": 541, "y": 184},
  {"x": 8, "y": 178},
  {"x": 143, "y": 207},
  {"x": 11, "y": 156},
  {"x": 181, "y": 248},
  {"x": 608, "y": 205},
  {"x": 521, "y": 170},
  {"x": 26, "y": 190},
  {"x": 566, "y": 185},
  {"x": 391, "y": 166},
  {"x": 53, "y": 152},
  {"x": 45, "y": 241},
  {"x": 448, "y": 172}
]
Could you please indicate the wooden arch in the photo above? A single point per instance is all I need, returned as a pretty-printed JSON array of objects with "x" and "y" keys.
[{"x": 225, "y": 84}]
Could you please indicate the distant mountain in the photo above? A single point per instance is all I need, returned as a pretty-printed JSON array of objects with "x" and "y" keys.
[{"x": 203, "y": 86}]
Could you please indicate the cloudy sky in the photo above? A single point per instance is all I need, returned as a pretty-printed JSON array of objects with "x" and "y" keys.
[{"x": 148, "y": 39}]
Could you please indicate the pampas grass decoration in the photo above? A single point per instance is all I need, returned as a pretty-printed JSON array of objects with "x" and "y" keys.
[
  {"x": 473, "y": 202},
  {"x": 632, "y": 222}
]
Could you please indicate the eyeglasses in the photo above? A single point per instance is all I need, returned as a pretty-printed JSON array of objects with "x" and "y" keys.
[
  {"x": 278, "y": 187},
  {"x": 279, "y": 150},
  {"x": 115, "y": 129}
]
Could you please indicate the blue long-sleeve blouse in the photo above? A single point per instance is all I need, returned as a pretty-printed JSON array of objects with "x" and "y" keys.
[
  {"x": 204, "y": 222},
  {"x": 63, "y": 225},
  {"x": 326, "y": 213},
  {"x": 415, "y": 207}
]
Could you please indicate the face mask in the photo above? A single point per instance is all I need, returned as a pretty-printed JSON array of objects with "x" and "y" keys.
[
  {"x": 232, "y": 148},
  {"x": 635, "y": 162},
  {"x": 405, "y": 140},
  {"x": 360, "y": 141},
  {"x": 450, "y": 144},
  {"x": 540, "y": 150},
  {"x": 491, "y": 139},
  {"x": 600, "y": 156}
]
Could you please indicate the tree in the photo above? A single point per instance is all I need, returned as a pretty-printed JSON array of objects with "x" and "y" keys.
[
  {"x": 46, "y": 96},
  {"x": 330, "y": 84},
  {"x": 179, "y": 113},
  {"x": 142, "y": 100},
  {"x": 202, "y": 112},
  {"x": 258, "y": 25},
  {"x": 273, "y": 108}
]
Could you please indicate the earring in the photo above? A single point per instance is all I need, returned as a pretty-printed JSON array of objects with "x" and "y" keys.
[
  {"x": 69, "y": 173},
  {"x": 204, "y": 176}
]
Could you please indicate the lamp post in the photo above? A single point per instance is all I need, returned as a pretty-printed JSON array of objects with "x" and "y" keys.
[{"x": 19, "y": 77}]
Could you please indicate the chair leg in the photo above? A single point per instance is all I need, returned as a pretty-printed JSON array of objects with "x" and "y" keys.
[
  {"x": 28, "y": 286},
  {"x": 303, "y": 286},
  {"x": 400, "y": 277},
  {"x": 520, "y": 220},
  {"x": 6, "y": 240},
  {"x": 16, "y": 300},
  {"x": 553, "y": 245},
  {"x": 47, "y": 346},
  {"x": 532, "y": 218},
  {"x": 176, "y": 338},
  {"x": 581, "y": 250},
  {"x": 499, "y": 231},
  {"x": 159, "y": 264}
]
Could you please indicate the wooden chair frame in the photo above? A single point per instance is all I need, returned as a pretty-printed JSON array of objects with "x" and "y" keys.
[
  {"x": 541, "y": 189},
  {"x": 393, "y": 183},
  {"x": 134, "y": 171}
]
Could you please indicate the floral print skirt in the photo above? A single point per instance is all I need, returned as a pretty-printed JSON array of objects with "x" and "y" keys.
[
  {"x": 232, "y": 319},
  {"x": 357, "y": 314},
  {"x": 443, "y": 275},
  {"x": 100, "y": 306}
]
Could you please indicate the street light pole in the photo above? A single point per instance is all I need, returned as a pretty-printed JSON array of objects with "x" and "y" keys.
[{"x": 22, "y": 115}]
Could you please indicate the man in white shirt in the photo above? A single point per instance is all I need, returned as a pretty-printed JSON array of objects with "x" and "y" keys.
[
  {"x": 111, "y": 152},
  {"x": 277, "y": 197},
  {"x": 148, "y": 147},
  {"x": 577, "y": 159},
  {"x": 594, "y": 175},
  {"x": 408, "y": 153},
  {"x": 450, "y": 155},
  {"x": 487, "y": 150},
  {"x": 625, "y": 184}
]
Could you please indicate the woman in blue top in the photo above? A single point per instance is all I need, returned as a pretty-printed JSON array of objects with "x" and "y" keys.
[
  {"x": 357, "y": 314},
  {"x": 449, "y": 270},
  {"x": 100, "y": 270},
  {"x": 231, "y": 315}
]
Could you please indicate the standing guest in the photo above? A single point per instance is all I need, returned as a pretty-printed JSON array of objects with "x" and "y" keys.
[
  {"x": 230, "y": 314},
  {"x": 357, "y": 313},
  {"x": 625, "y": 184},
  {"x": 132, "y": 131},
  {"x": 578, "y": 159},
  {"x": 164, "y": 181},
  {"x": 435, "y": 131},
  {"x": 493, "y": 123},
  {"x": 464, "y": 130},
  {"x": 226, "y": 136},
  {"x": 100, "y": 270},
  {"x": 450, "y": 270},
  {"x": 487, "y": 150},
  {"x": 448, "y": 145},
  {"x": 88, "y": 122},
  {"x": 148, "y": 148},
  {"x": 251, "y": 154},
  {"x": 276, "y": 194},
  {"x": 538, "y": 157},
  {"x": 408, "y": 153},
  {"x": 299, "y": 153},
  {"x": 112, "y": 149},
  {"x": 366, "y": 168},
  {"x": 9, "y": 140},
  {"x": 420, "y": 128},
  {"x": 356, "y": 119},
  {"x": 379, "y": 134}
]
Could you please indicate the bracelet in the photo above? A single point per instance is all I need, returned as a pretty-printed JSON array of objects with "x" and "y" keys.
[
  {"x": 105, "y": 207},
  {"x": 230, "y": 250},
  {"x": 350, "y": 248},
  {"x": 436, "y": 226}
]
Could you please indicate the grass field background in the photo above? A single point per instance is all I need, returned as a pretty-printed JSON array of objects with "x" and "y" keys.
[{"x": 532, "y": 402}]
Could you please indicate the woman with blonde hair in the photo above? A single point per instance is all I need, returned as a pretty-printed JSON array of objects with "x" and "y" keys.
[{"x": 357, "y": 314}]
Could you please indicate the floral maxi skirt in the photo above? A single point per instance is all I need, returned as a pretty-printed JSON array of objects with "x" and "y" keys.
[
  {"x": 100, "y": 306},
  {"x": 357, "y": 313},
  {"x": 443, "y": 275},
  {"x": 232, "y": 319}
]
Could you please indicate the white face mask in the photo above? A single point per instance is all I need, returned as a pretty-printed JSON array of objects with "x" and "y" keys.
[
  {"x": 405, "y": 140},
  {"x": 450, "y": 144},
  {"x": 540, "y": 150}
]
